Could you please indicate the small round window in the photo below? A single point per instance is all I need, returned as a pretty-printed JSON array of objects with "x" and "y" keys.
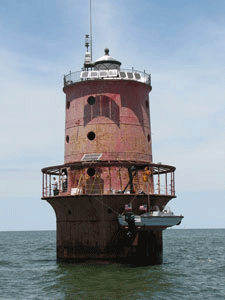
[
  {"x": 91, "y": 100},
  {"x": 91, "y": 135},
  {"x": 91, "y": 172}
]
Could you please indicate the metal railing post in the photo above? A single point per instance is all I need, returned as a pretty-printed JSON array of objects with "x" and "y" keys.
[
  {"x": 173, "y": 183},
  {"x": 43, "y": 185},
  {"x": 158, "y": 182},
  {"x": 46, "y": 184},
  {"x": 50, "y": 181},
  {"x": 166, "y": 184}
]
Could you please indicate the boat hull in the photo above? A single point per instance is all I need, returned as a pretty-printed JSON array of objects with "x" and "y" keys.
[{"x": 152, "y": 222}]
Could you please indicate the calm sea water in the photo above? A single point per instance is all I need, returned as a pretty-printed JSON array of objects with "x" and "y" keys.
[{"x": 193, "y": 268}]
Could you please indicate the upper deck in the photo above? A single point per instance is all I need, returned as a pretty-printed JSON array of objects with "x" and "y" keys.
[{"x": 113, "y": 74}]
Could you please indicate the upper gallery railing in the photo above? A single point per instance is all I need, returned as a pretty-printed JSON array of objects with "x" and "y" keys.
[{"x": 139, "y": 76}]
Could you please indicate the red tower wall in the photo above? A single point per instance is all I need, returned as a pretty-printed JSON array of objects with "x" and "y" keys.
[{"x": 120, "y": 119}]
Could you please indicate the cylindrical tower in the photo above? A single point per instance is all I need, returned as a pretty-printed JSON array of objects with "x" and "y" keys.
[
  {"x": 107, "y": 167},
  {"x": 109, "y": 116}
]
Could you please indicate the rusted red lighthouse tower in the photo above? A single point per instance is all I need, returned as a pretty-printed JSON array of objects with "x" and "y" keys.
[{"x": 108, "y": 186}]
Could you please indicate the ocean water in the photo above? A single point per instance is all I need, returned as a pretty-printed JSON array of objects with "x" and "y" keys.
[{"x": 193, "y": 268}]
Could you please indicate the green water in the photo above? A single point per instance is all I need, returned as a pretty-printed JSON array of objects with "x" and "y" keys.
[{"x": 193, "y": 268}]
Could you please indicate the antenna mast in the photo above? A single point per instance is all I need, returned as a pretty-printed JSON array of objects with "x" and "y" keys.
[
  {"x": 88, "y": 42},
  {"x": 90, "y": 32}
]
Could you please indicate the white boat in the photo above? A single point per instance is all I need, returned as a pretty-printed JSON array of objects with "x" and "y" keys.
[{"x": 151, "y": 220}]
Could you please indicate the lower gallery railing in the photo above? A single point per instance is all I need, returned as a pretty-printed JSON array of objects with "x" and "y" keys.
[{"x": 108, "y": 178}]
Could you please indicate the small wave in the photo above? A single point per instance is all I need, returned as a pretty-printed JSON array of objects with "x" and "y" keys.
[
  {"x": 5, "y": 263},
  {"x": 43, "y": 260}
]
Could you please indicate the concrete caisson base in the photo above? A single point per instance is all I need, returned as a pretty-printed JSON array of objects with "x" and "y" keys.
[
  {"x": 88, "y": 230},
  {"x": 148, "y": 252}
]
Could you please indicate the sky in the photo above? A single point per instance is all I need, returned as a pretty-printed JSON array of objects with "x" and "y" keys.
[{"x": 182, "y": 45}]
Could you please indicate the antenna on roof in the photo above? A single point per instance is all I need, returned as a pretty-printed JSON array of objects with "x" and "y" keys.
[
  {"x": 88, "y": 42},
  {"x": 90, "y": 32}
]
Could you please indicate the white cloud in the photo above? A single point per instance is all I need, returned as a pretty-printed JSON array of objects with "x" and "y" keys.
[
  {"x": 32, "y": 111},
  {"x": 188, "y": 128},
  {"x": 187, "y": 108},
  {"x": 187, "y": 101}
]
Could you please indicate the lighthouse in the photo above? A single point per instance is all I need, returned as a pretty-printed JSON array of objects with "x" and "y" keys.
[{"x": 109, "y": 197}]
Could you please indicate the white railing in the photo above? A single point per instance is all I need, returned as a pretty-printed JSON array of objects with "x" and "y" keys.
[{"x": 122, "y": 74}]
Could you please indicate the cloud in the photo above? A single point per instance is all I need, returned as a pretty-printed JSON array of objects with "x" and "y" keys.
[
  {"x": 188, "y": 128},
  {"x": 183, "y": 48},
  {"x": 187, "y": 108},
  {"x": 32, "y": 110}
]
